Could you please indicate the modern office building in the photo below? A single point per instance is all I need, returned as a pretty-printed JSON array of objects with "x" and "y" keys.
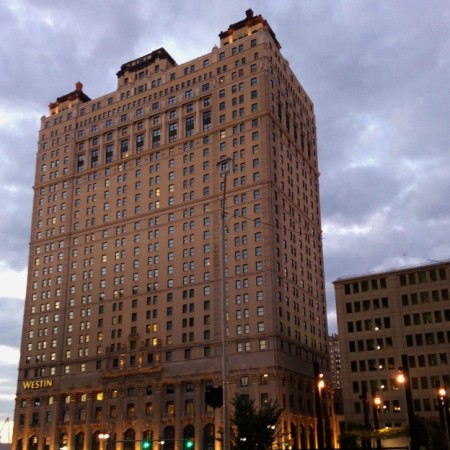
[
  {"x": 336, "y": 378},
  {"x": 137, "y": 194},
  {"x": 394, "y": 323}
]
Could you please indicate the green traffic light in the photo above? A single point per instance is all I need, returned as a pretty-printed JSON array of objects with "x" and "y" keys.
[
  {"x": 146, "y": 445},
  {"x": 188, "y": 444}
]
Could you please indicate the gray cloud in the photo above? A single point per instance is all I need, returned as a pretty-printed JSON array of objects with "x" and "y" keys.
[
  {"x": 11, "y": 314},
  {"x": 11, "y": 327},
  {"x": 377, "y": 73}
]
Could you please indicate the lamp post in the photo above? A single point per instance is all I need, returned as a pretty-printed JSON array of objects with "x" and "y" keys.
[
  {"x": 376, "y": 404},
  {"x": 319, "y": 385},
  {"x": 403, "y": 377},
  {"x": 102, "y": 438},
  {"x": 444, "y": 412},
  {"x": 363, "y": 397},
  {"x": 224, "y": 171}
]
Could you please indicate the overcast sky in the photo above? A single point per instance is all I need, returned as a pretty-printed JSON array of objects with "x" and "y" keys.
[{"x": 378, "y": 73}]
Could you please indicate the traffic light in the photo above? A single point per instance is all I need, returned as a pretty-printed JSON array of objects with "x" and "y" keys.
[
  {"x": 147, "y": 445},
  {"x": 214, "y": 397},
  {"x": 188, "y": 444}
]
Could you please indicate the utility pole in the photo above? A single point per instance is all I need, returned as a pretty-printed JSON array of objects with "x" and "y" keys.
[{"x": 225, "y": 170}]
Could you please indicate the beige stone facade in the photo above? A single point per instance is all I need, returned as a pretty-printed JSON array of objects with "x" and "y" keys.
[
  {"x": 383, "y": 316},
  {"x": 122, "y": 325}
]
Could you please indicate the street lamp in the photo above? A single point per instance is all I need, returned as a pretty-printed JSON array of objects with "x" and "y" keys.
[
  {"x": 319, "y": 385},
  {"x": 224, "y": 164},
  {"x": 365, "y": 405},
  {"x": 444, "y": 413},
  {"x": 102, "y": 437},
  {"x": 403, "y": 378},
  {"x": 376, "y": 404}
]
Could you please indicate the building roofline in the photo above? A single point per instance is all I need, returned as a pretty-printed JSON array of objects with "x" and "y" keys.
[
  {"x": 250, "y": 20},
  {"x": 393, "y": 270},
  {"x": 143, "y": 61},
  {"x": 77, "y": 94}
]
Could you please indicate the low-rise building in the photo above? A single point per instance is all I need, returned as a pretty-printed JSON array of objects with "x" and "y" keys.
[{"x": 390, "y": 323}]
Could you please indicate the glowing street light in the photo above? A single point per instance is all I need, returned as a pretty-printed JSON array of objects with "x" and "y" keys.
[
  {"x": 102, "y": 438},
  {"x": 321, "y": 382},
  {"x": 376, "y": 405},
  {"x": 319, "y": 385},
  {"x": 444, "y": 413},
  {"x": 403, "y": 378},
  {"x": 400, "y": 377}
]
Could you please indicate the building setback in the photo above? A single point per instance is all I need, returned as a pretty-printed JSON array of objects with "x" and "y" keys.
[
  {"x": 390, "y": 322},
  {"x": 122, "y": 328}
]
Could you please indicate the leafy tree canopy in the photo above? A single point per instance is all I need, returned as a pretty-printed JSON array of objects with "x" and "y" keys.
[{"x": 253, "y": 428}]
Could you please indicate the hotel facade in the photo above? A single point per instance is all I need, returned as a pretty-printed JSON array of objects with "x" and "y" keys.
[
  {"x": 395, "y": 323},
  {"x": 188, "y": 185}
]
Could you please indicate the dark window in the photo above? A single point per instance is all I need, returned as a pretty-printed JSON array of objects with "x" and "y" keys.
[
  {"x": 206, "y": 120},
  {"x": 189, "y": 126},
  {"x": 124, "y": 148},
  {"x": 109, "y": 154}
]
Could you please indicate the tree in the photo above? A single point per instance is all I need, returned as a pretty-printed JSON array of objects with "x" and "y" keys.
[
  {"x": 252, "y": 428},
  {"x": 437, "y": 439},
  {"x": 426, "y": 434},
  {"x": 354, "y": 434},
  {"x": 419, "y": 433}
]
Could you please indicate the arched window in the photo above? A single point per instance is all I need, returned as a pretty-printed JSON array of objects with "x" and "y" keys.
[
  {"x": 129, "y": 438},
  {"x": 169, "y": 436},
  {"x": 208, "y": 437}
]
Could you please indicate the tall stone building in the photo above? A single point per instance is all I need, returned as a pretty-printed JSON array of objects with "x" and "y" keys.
[{"x": 123, "y": 325}]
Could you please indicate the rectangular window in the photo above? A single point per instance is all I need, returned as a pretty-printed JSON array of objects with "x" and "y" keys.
[
  {"x": 80, "y": 163},
  {"x": 94, "y": 158},
  {"x": 173, "y": 130},
  {"x": 139, "y": 143},
  {"x": 156, "y": 137},
  {"x": 206, "y": 120},
  {"x": 189, "y": 126},
  {"x": 124, "y": 148}
]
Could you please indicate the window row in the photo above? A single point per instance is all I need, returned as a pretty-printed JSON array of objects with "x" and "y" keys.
[
  {"x": 419, "y": 298},
  {"x": 363, "y": 345},
  {"x": 423, "y": 276},
  {"x": 369, "y": 324},
  {"x": 426, "y": 317},
  {"x": 436, "y": 338},
  {"x": 365, "y": 286},
  {"x": 366, "y": 305}
]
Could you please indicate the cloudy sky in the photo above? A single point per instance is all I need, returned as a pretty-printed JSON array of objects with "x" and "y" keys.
[{"x": 378, "y": 73}]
